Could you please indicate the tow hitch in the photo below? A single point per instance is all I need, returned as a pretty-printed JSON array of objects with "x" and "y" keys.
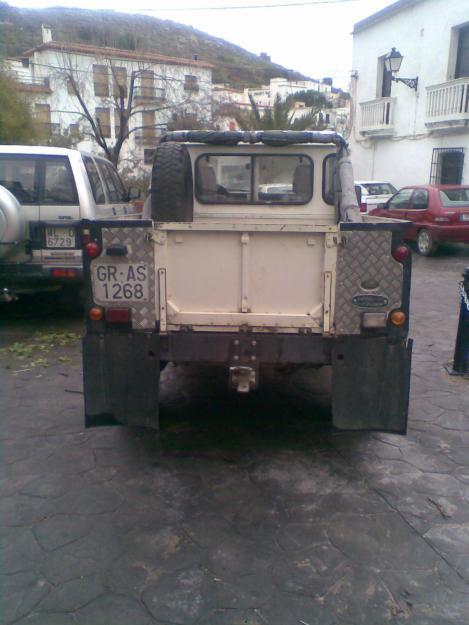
[{"x": 244, "y": 364}]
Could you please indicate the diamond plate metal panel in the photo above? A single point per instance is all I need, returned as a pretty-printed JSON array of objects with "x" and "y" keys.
[
  {"x": 365, "y": 255},
  {"x": 140, "y": 249}
]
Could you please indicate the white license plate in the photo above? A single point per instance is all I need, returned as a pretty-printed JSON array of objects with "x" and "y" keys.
[
  {"x": 120, "y": 282},
  {"x": 60, "y": 237},
  {"x": 465, "y": 217}
]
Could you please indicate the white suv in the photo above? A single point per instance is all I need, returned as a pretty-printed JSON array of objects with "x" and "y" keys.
[{"x": 45, "y": 192}]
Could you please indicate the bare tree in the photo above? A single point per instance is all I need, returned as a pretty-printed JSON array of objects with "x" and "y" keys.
[{"x": 129, "y": 101}]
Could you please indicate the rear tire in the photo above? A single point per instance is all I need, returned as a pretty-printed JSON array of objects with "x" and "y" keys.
[
  {"x": 171, "y": 184},
  {"x": 426, "y": 244}
]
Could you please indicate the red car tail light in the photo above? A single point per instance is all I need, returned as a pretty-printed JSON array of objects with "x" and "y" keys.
[
  {"x": 93, "y": 249},
  {"x": 401, "y": 253},
  {"x": 118, "y": 315},
  {"x": 363, "y": 207}
]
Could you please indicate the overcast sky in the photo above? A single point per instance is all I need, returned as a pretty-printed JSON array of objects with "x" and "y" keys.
[{"x": 311, "y": 38}]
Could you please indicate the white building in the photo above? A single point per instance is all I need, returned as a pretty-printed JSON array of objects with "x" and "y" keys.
[
  {"x": 162, "y": 88},
  {"x": 228, "y": 100},
  {"x": 402, "y": 134}
]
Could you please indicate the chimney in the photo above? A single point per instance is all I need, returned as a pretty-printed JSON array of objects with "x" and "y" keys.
[{"x": 46, "y": 33}]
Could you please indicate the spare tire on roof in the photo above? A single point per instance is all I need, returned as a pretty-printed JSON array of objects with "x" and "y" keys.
[
  {"x": 171, "y": 184},
  {"x": 12, "y": 222}
]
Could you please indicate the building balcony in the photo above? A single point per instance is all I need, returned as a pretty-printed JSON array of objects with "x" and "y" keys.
[
  {"x": 377, "y": 117},
  {"x": 144, "y": 95},
  {"x": 146, "y": 138},
  {"x": 447, "y": 104},
  {"x": 33, "y": 85}
]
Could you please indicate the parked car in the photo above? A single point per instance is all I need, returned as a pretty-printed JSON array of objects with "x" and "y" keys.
[
  {"x": 45, "y": 192},
  {"x": 438, "y": 213},
  {"x": 374, "y": 194}
]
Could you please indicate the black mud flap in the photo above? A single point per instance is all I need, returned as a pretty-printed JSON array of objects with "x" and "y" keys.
[
  {"x": 121, "y": 374},
  {"x": 370, "y": 384}
]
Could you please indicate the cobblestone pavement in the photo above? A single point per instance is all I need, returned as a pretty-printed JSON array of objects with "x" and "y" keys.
[{"x": 244, "y": 510}]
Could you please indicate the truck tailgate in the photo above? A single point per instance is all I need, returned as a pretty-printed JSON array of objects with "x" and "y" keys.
[{"x": 262, "y": 277}]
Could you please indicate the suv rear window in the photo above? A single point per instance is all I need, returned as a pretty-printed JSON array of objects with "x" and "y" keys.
[
  {"x": 261, "y": 179},
  {"x": 115, "y": 188},
  {"x": 95, "y": 180},
  {"x": 18, "y": 175},
  {"x": 59, "y": 185}
]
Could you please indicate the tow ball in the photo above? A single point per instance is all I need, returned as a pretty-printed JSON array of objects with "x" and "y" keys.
[{"x": 242, "y": 379}]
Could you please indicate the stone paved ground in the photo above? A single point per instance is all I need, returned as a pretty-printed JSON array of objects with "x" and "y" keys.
[{"x": 245, "y": 510}]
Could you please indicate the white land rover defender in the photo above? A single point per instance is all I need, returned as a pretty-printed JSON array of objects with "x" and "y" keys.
[{"x": 256, "y": 255}]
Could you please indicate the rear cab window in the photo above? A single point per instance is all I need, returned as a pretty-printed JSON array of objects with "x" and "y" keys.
[{"x": 254, "y": 179}]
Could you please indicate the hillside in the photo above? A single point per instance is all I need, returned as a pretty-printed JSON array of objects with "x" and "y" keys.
[{"x": 20, "y": 29}]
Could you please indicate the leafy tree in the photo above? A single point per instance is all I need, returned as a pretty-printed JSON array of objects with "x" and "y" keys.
[
  {"x": 282, "y": 115},
  {"x": 16, "y": 120}
]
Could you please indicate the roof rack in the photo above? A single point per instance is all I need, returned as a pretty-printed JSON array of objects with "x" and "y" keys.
[{"x": 267, "y": 137}]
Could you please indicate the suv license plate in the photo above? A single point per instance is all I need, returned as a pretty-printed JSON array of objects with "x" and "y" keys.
[
  {"x": 60, "y": 237},
  {"x": 120, "y": 282}
]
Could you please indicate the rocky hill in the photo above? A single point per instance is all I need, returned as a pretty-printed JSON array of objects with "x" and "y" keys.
[{"x": 20, "y": 29}]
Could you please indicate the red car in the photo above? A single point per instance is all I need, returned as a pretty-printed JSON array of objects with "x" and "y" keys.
[{"x": 438, "y": 213}]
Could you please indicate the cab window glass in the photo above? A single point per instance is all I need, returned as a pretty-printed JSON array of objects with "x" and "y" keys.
[
  {"x": 328, "y": 187},
  {"x": 95, "y": 180},
  {"x": 221, "y": 179},
  {"x": 59, "y": 185},
  {"x": 17, "y": 174},
  {"x": 419, "y": 199},
  {"x": 401, "y": 199}
]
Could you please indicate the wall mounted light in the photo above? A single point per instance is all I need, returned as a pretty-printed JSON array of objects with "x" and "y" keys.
[{"x": 392, "y": 63}]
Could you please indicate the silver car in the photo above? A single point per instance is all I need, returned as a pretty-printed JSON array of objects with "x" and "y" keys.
[{"x": 45, "y": 193}]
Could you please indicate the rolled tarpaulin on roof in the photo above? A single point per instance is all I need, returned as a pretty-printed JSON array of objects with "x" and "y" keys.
[
  {"x": 267, "y": 137},
  {"x": 349, "y": 209}
]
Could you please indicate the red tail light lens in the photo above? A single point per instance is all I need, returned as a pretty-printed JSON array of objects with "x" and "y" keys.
[
  {"x": 363, "y": 207},
  {"x": 85, "y": 238},
  {"x": 118, "y": 315},
  {"x": 93, "y": 249},
  {"x": 64, "y": 273},
  {"x": 401, "y": 253}
]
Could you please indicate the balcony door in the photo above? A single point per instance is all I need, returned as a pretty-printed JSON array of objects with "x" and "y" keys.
[{"x": 462, "y": 61}]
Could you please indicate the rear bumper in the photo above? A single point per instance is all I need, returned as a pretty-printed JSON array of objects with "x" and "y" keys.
[{"x": 25, "y": 278}]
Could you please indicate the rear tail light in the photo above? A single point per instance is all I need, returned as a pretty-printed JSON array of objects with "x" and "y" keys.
[
  {"x": 85, "y": 238},
  {"x": 398, "y": 318},
  {"x": 363, "y": 207},
  {"x": 64, "y": 273},
  {"x": 118, "y": 315},
  {"x": 96, "y": 313},
  {"x": 93, "y": 249},
  {"x": 401, "y": 253}
]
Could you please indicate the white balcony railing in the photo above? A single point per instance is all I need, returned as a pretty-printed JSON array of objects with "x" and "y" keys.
[
  {"x": 377, "y": 116},
  {"x": 448, "y": 103}
]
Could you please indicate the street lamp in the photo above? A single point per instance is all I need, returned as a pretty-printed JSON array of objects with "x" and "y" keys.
[{"x": 392, "y": 63}]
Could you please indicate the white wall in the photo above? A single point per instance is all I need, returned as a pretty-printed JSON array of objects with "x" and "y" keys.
[{"x": 424, "y": 35}]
